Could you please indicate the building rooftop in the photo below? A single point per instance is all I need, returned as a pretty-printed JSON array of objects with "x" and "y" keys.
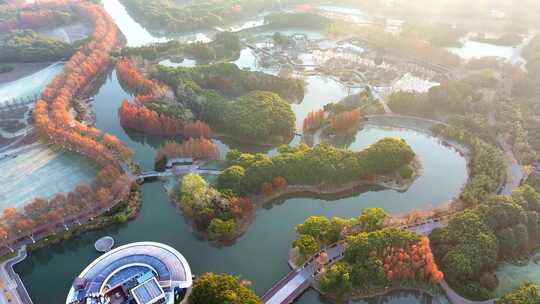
[{"x": 137, "y": 273}]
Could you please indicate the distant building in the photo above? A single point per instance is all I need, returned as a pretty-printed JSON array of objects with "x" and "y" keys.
[{"x": 137, "y": 273}]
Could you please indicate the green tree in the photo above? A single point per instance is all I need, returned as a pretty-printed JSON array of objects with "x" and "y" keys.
[
  {"x": 368, "y": 273},
  {"x": 372, "y": 219},
  {"x": 529, "y": 293},
  {"x": 337, "y": 279},
  {"x": 221, "y": 230},
  {"x": 307, "y": 246},
  {"x": 212, "y": 288},
  {"x": 231, "y": 178}
]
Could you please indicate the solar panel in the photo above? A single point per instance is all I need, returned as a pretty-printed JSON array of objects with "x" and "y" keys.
[{"x": 148, "y": 292}]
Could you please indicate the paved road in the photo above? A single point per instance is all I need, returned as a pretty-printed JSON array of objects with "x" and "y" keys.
[{"x": 13, "y": 292}]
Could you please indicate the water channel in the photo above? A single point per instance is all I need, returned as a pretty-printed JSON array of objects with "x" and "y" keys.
[{"x": 259, "y": 255}]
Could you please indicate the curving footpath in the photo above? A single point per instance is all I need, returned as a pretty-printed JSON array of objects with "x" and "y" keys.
[{"x": 13, "y": 290}]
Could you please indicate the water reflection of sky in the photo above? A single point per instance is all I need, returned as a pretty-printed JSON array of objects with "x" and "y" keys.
[{"x": 473, "y": 49}]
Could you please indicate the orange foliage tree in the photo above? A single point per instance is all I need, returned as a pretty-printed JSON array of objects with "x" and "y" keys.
[
  {"x": 200, "y": 149},
  {"x": 55, "y": 123},
  {"x": 345, "y": 121},
  {"x": 280, "y": 183},
  {"x": 145, "y": 120},
  {"x": 145, "y": 89},
  {"x": 314, "y": 121},
  {"x": 414, "y": 262}
]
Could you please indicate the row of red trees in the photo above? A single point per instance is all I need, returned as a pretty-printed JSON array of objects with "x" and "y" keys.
[
  {"x": 345, "y": 121},
  {"x": 34, "y": 15},
  {"x": 44, "y": 216},
  {"x": 142, "y": 119},
  {"x": 144, "y": 89},
  {"x": 414, "y": 262},
  {"x": 200, "y": 149},
  {"x": 55, "y": 123}
]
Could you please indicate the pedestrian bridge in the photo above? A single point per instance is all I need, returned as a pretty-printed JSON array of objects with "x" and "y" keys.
[{"x": 175, "y": 171}]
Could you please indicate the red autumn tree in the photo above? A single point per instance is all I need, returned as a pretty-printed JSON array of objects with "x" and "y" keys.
[
  {"x": 280, "y": 183},
  {"x": 414, "y": 262},
  {"x": 200, "y": 149},
  {"x": 267, "y": 188},
  {"x": 345, "y": 122},
  {"x": 314, "y": 121}
]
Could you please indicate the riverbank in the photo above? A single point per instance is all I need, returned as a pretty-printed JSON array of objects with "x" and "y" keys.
[
  {"x": 125, "y": 211},
  {"x": 21, "y": 70}
]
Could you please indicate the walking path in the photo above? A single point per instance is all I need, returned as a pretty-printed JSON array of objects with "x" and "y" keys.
[
  {"x": 13, "y": 290},
  {"x": 514, "y": 171}
]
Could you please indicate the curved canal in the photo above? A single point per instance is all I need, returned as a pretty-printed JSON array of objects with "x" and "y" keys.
[{"x": 259, "y": 255}]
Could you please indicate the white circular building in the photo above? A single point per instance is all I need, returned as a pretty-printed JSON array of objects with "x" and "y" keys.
[{"x": 137, "y": 273}]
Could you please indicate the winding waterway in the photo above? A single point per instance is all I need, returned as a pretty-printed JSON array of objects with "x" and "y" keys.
[{"x": 259, "y": 255}]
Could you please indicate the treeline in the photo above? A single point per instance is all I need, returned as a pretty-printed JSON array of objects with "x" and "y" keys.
[
  {"x": 225, "y": 46},
  {"x": 221, "y": 216},
  {"x": 341, "y": 123},
  {"x": 322, "y": 164},
  {"x": 500, "y": 228},
  {"x": 228, "y": 80},
  {"x": 457, "y": 97},
  {"x": 188, "y": 17},
  {"x": 241, "y": 103},
  {"x": 38, "y": 16},
  {"x": 55, "y": 124},
  {"x": 375, "y": 256},
  {"x": 285, "y": 19},
  {"x": 144, "y": 89},
  {"x": 145, "y": 120},
  {"x": 487, "y": 167},
  {"x": 211, "y": 288},
  {"x": 198, "y": 149},
  {"x": 47, "y": 216},
  {"x": 152, "y": 113},
  {"x": 27, "y": 46}
]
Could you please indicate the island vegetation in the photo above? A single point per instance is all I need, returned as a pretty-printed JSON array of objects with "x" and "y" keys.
[
  {"x": 529, "y": 293},
  {"x": 320, "y": 165},
  {"x": 28, "y": 46},
  {"x": 225, "y": 46},
  {"x": 187, "y": 17},
  {"x": 199, "y": 149},
  {"x": 500, "y": 228},
  {"x": 249, "y": 106},
  {"x": 341, "y": 120},
  {"x": 375, "y": 257},
  {"x": 219, "y": 216}
]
